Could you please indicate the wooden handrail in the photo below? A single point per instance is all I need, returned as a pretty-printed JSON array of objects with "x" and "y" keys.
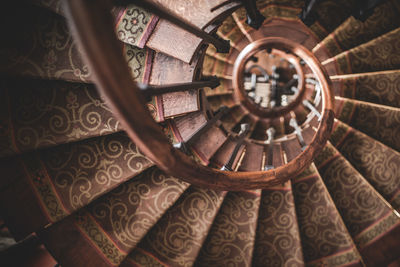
[{"x": 92, "y": 25}]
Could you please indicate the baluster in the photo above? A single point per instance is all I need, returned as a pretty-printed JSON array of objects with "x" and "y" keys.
[
  {"x": 184, "y": 145},
  {"x": 221, "y": 45},
  {"x": 254, "y": 17},
  {"x": 270, "y": 141},
  {"x": 307, "y": 14},
  {"x": 312, "y": 108},
  {"x": 150, "y": 90},
  {"x": 244, "y": 129},
  {"x": 298, "y": 132}
]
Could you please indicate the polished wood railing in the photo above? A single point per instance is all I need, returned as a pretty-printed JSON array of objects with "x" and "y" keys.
[{"x": 92, "y": 25}]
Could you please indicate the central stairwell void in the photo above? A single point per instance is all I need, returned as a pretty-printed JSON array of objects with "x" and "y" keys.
[{"x": 203, "y": 133}]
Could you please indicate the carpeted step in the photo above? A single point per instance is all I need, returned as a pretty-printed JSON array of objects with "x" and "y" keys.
[
  {"x": 375, "y": 87},
  {"x": 236, "y": 114},
  {"x": 178, "y": 236},
  {"x": 353, "y": 32},
  {"x": 40, "y": 45},
  {"x": 369, "y": 219},
  {"x": 221, "y": 100},
  {"x": 378, "y": 121},
  {"x": 379, "y": 164},
  {"x": 330, "y": 14},
  {"x": 216, "y": 67},
  {"x": 45, "y": 186},
  {"x": 42, "y": 113},
  {"x": 277, "y": 240},
  {"x": 230, "y": 31},
  {"x": 324, "y": 237},
  {"x": 382, "y": 53},
  {"x": 253, "y": 157},
  {"x": 230, "y": 240},
  {"x": 109, "y": 228},
  {"x": 224, "y": 88}
]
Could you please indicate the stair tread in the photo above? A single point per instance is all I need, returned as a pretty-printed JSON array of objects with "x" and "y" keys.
[
  {"x": 216, "y": 67},
  {"x": 375, "y": 87},
  {"x": 366, "y": 57},
  {"x": 353, "y": 32},
  {"x": 376, "y": 162},
  {"x": 43, "y": 48},
  {"x": 231, "y": 237},
  {"x": 185, "y": 232},
  {"x": 229, "y": 30},
  {"x": 60, "y": 180},
  {"x": 317, "y": 215},
  {"x": 366, "y": 215},
  {"x": 114, "y": 224},
  {"x": 378, "y": 121},
  {"x": 43, "y": 113},
  {"x": 326, "y": 23},
  {"x": 277, "y": 240}
]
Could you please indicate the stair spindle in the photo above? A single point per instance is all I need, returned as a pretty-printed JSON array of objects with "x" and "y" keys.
[
  {"x": 244, "y": 129},
  {"x": 312, "y": 108},
  {"x": 298, "y": 132},
  {"x": 270, "y": 141}
]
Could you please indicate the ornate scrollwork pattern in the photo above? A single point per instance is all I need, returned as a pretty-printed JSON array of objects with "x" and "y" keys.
[
  {"x": 48, "y": 113},
  {"x": 380, "y": 88},
  {"x": 358, "y": 203},
  {"x": 277, "y": 238},
  {"x": 379, "y": 164},
  {"x": 80, "y": 172},
  {"x": 380, "y": 122},
  {"x": 45, "y": 49},
  {"x": 354, "y": 32},
  {"x": 135, "y": 25},
  {"x": 231, "y": 238},
  {"x": 379, "y": 54},
  {"x": 324, "y": 236},
  {"x": 178, "y": 236}
]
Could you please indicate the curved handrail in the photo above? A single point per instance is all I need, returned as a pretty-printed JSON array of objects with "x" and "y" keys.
[{"x": 92, "y": 24}]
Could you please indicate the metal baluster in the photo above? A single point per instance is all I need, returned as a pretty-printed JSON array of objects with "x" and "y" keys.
[
  {"x": 150, "y": 90},
  {"x": 312, "y": 108},
  {"x": 254, "y": 17},
  {"x": 270, "y": 141},
  {"x": 244, "y": 129},
  {"x": 221, "y": 45},
  {"x": 184, "y": 145},
  {"x": 297, "y": 130}
]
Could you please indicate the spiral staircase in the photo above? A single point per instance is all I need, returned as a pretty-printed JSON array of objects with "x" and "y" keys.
[{"x": 309, "y": 189}]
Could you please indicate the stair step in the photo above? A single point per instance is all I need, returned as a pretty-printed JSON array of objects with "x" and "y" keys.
[
  {"x": 353, "y": 32},
  {"x": 112, "y": 226},
  {"x": 221, "y": 100},
  {"x": 45, "y": 186},
  {"x": 277, "y": 240},
  {"x": 43, "y": 113},
  {"x": 379, "y": 164},
  {"x": 223, "y": 154},
  {"x": 229, "y": 31},
  {"x": 317, "y": 215},
  {"x": 231, "y": 237},
  {"x": 174, "y": 104},
  {"x": 208, "y": 143},
  {"x": 378, "y": 121},
  {"x": 252, "y": 160},
  {"x": 368, "y": 218},
  {"x": 224, "y": 88},
  {"x": 236, "y": 114},
  {"x": 178, "y": 236},
  {"x": 134, "y": 25},
  {"x": 326, "y": 21},
  {"x": 216, "y": 67},
  {"x": 40, "y": 45},
  {"x": 368, "y": 57},
  {"x": 375, "y": 87},
  {"x": 270, "y": 10}
]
